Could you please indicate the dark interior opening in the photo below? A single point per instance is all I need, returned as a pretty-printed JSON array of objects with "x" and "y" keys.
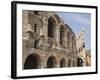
[
  {"x": 62, "y": 63},
  {"x": 31, "y": 62},
  {"x": 51, "y": 62},
  {"x": 50, "y": 27},
  {"x": 80, "y": 62}
]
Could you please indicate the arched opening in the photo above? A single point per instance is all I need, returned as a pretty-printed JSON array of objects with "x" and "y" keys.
[
  {"x": 80, "y": 62},
  {"x": 62, "y": 35},
  {"x": 51, "y": 62},
  {"x": 69, "y": 63},
  {"x": 32, "y": 62},
  {"x": 62, "y": 63},
  {"x": 51, "y": 27}
]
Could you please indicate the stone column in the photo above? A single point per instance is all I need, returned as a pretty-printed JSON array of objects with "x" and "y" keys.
[
  {"x": 74, "y": 44},
  {"x": 84, "y": 61},
  {"x": 57, "y": 35},
  {"x": 58, "y": 66},
  {"x": 44, "y": 61},
  {"x": 44, "y": 30},
  {"x": 65, "y": 39},
  {"x": 70, "y": 41}
]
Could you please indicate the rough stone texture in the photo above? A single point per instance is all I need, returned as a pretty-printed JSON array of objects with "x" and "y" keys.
[
  {"x": 88, "y": 57},
  {"x": 81, "y": 50},
  {"x": 46, "y": 36}
]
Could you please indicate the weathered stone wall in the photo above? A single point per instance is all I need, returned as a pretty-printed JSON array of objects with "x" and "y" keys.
[
  {"x": 81, "y": 50},
  {"x": 88, "y": 58},
  {"x": 45, "y": 35}
]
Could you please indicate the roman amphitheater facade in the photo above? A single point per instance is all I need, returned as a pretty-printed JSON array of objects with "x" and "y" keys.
[{"x": 47, "y": 41}]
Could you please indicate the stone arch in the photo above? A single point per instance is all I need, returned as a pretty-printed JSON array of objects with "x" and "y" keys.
[
  {"x": 57, "y": 18},
  {"x": 69, "y": 63},
  {"x": 51, "y": 27},
  {"x": 32, "y": 61},
  {"x": 80, "y": 62},
  {"x": 51, "y": 62},
  {"x": 62, "y": 62}
]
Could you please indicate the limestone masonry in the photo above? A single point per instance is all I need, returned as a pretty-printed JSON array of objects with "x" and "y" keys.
[{"x": 50, "y": 43}]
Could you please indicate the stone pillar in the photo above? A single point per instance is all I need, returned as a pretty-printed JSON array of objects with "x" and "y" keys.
[
  {"x": 84, "y": 61},
  {"x": 75, "y": 62},
  {"x": 44, "y": 61},
  {"x": 58, "y": 66},
  {"x": 70, "y": 41},
  {"x": 44, "y": 30},
  {"x": 42, "y": 65},
  {"x": 74, "y": 44},
  {"x": 57, "y": 35},
  {"x": 65, "y": 39}
]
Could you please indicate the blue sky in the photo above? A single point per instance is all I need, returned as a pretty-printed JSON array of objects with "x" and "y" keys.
[{"x": 77, "y": 22}]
